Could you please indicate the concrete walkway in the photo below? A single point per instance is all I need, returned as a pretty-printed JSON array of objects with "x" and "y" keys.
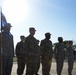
[{"x": 53, "y": 69}]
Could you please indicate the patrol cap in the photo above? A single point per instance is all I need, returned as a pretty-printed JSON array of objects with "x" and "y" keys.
[
  {"x": 60, "y": 39},
  {"x": 46, "y": 34},
  {"x": 7, "y": 25},
  {"x": 32, "y": 29},
  {"x": 22, "y": 36},
  {"x": 70, "y": 42}
]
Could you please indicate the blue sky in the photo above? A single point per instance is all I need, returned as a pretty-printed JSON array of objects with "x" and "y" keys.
[{"x": 55, "y": 16}]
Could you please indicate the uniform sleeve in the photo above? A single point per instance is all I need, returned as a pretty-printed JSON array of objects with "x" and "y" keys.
[
  {"x": 42, "y": 48},
  {"x": 0, "y": 42},
  {"x": 13, "y": 45},
  {"x": 52, "y": 48},
  {"x": 55, "y": 51},
  {"x": 17, "y": 50},
  {"x": 27, "y": 45},
  {"x": 0, "y": 48}
]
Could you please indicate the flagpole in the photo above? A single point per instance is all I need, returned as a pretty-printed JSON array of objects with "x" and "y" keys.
[{"x": 1, "y": 39}]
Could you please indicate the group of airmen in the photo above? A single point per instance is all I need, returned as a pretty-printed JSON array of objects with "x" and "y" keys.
[{"x": 31, "y": 52}]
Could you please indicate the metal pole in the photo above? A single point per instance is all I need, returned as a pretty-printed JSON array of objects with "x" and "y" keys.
[{"x": 1, "y": 39}]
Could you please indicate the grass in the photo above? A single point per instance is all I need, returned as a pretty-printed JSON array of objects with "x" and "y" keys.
[{"x": 15, "y": 59}]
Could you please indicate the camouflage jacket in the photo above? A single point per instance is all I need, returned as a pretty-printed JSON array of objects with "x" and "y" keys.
[
  {"x": 20, "y": 49},
  {"x": 31, "y": 46},
  {"x": 7, "y": 44},
  {"x": 59, "y": 50},
  {"x": 46, "y": 48},
  {"x": 70, "y": 52}
]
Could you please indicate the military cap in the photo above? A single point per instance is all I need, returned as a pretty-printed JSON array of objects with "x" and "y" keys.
[
  {"x": 70, "y": 42},
  {"x": 22, "y": 36},
  {"x": 60, "y": 39},
  {"x": 7, "y": 25},
  {"x": 47, "y": 34},
  {"x": 32, "y": 29}
]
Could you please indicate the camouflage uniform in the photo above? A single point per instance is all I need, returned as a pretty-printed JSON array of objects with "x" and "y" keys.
[
  {"x": 0, "y": 64},
  {"x": 46, "y": 56},
  {"x": 21, "y": 57},
  {"x": 31, "y": 47},
  {"x": 7, "y": 53},
  {"x": 0, "y": 54},
  {"x": 3, "y": 21},
  {"x": 37, "y": 60},
  {"x": 70, "y": 55},
  {"x": 59, "y": 55}
]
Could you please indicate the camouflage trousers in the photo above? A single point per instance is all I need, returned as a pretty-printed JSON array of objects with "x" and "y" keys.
[
  {"x": 0, "y": 65},
  {"x": 70, "y": 65},
  {"x": 21, "y": 65},
  {"x": 32, "y": 66},
  {"x": 46, "y": 65},
  {"x": 59, "y": 62},
  {"x": 36, "y": 65},
  {"x": 7, "y": 63}
]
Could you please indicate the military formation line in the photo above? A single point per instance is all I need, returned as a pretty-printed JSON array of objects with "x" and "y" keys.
[{"x": 30, "y": 53}]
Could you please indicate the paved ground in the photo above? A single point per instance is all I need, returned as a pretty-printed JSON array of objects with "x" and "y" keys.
[{"x": 53, "y": 69}]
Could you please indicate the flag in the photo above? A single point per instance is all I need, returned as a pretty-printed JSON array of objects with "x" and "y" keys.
[
  {"x": 0, "y": 19},
  {"x": 3, "y": 20}
]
